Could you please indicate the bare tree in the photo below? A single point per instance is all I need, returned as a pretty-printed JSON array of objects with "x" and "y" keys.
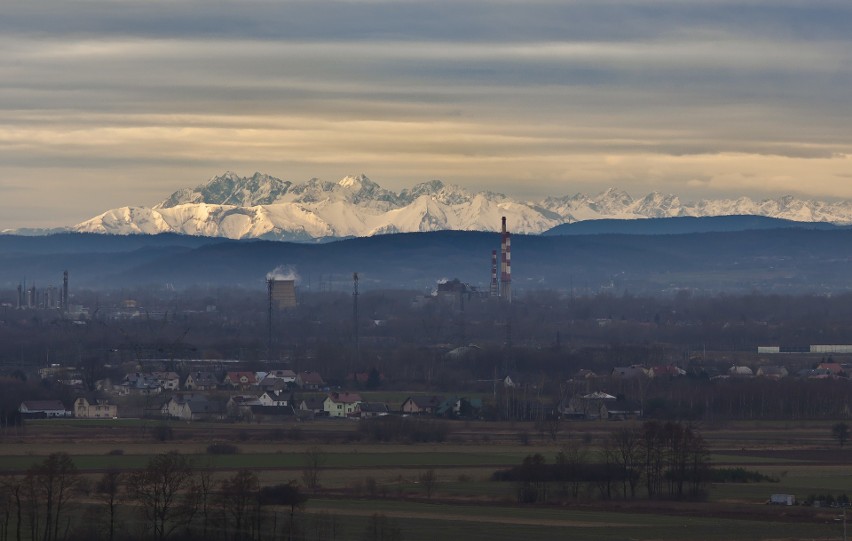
[
  {"x": 50, "y": 485},
  {"x": 428, "y": 480},
  {"x": 9, "y": 486},
  {"x": 571, "y": 460},
  {"x": 289, "y": 495},
  {"x": 240, "y": 503},
  {"x": 314, "y": 460},
  {"x": 158, "y": 489},
  {"x": 840, "y": 432},
  {"x": 626, "y": 446},
  {"x": 204, "y": 491},
  {"x": 108, "y": 489},
  {"x": 379, "y": 528}
]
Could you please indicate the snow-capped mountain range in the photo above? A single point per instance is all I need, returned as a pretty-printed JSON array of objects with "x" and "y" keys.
[{"x": 262, "y": 206}]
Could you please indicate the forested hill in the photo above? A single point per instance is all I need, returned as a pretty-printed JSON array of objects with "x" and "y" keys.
[
  {"x": 682, "y": 225},
  {"x": 774, "y": 260}
]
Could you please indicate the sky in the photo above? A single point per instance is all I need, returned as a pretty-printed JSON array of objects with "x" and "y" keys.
[{"x": 107, "y": 103}]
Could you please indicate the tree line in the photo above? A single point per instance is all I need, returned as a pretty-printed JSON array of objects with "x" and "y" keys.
[
  {"x": 657, "y": 461},
  {"x": 169, "y": 498}
]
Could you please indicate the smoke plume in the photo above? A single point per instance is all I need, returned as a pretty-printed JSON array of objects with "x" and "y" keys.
[{"x": 283, "y": 272}]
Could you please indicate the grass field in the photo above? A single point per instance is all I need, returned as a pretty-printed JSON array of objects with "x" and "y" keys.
[{"x": 358, "y": 479}]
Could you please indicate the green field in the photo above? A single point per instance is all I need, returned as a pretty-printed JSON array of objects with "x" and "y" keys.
[{"x": 359, "y": 479}]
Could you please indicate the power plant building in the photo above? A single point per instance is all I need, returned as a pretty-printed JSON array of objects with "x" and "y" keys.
[{"x": 282, "y": 293}]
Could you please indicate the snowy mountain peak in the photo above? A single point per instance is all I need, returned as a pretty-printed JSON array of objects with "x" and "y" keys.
[
  {"x": 231, "y": 189},
  {"x": 356, "y": 181},
  {"x": 262, "y": 206}
]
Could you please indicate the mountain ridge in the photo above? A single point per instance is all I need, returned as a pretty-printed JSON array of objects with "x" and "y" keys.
[{"x": 265, "y": 207}]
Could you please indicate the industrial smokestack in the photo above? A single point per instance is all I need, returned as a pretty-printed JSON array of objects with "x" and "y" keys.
[
  {"x": 64, "y": 300},
  {"x": 494, "y": 287},
  {"x": 505, "y": 263}
]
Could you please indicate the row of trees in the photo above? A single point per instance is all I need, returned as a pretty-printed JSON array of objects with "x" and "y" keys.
[
  {"x": 658, "y": 460},
  {"x": 170, "y": 496}
]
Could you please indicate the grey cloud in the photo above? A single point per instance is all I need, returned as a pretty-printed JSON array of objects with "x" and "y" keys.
[{"x": 475, "y": 91}]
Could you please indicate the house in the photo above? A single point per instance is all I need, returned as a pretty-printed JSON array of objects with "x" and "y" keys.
[
  {"x": 740, "y": 372},
  {"x": 834, "y": 368},
  {"x": 633, "y": 371},
  {"x": 623, "y": 409},
  {"x": 772, "y": 372},
  {"x": 201, "y": 381},
  {"x": 239, "y": 406},
  {"x": 421, "y": 405},
  {"x": 315, "y": 405},
  {"x": 240, "y": 380},
  {"x": 268, "y": 384},
  {"x": 140, "y": 383},
  {"x": 192, "y": 407},
  {"x": 459, "y": 407},
  {"x": 275, "y": 398},
  {"x": 310, "y": 381},
  {"x": 168, "y": 381},
  {"x": 288, "y": 376},
  {"x": 666, "y": 371},
  {"x": 367, "y": 410},
  {"x": 41, "y": 409},
  {"x": 589, "y": 406},
  {"x": 341, "y": 404},
  {"x": 99, "y": 410}
]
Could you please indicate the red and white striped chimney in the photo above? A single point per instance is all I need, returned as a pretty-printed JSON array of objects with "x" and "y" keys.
[{"x": 494, "y": 287}]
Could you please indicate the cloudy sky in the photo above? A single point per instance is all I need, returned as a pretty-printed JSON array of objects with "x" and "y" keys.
[{"x": 112, "y": 103}]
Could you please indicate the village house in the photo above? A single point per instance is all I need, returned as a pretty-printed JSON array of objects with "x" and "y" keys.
[
  {"x": 268, "y": 384},
  {"x": 310, "y": 381},
  {"x": 240, "y": 380},
  {"x": 40, "y": 409},
  {"x": 772, "y": 372},
  {"x": 341, "y": 404},
  {"x": 314, "y": 405},
  {"x": 421, "y": 405},
  {"x": 275, "y": 398},
  {"x": 287, "y": 376},
  {"x": 240, "y": 407},
  {"x": 633, "y": 371},
  {"x": 368, "y": 410},
  {"x": 459, "y": 407},
  {"x": 201, "y": 381},
  {"x": 168, "y": 381},
  {"x": 835, "y": 369},
  {"x": 740, "y": 372},
  {"x": 666, "y": 371},
  {"x": 139, "y": 383},
  {"x": 589, "y": 406},
  {"x": 191, "y": 407},
  {"x": 99, "y": 410}
]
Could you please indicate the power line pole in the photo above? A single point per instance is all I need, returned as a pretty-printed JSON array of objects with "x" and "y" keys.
[{"x": 355, "y": 317}]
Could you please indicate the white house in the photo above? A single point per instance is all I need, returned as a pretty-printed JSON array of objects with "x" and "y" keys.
[
  {"x": 99, "y": 410},
  {"x": 43, "y": 408},
  {"x": 274, "y": 398},
  {"x": 341, "y": 404}
]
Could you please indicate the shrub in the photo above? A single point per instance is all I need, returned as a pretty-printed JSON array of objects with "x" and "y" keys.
[
  {"x": 739, "y": 475},
  {"x": 115, "y": 452}
]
